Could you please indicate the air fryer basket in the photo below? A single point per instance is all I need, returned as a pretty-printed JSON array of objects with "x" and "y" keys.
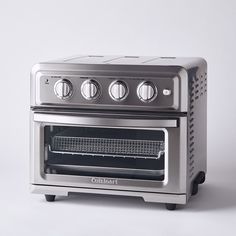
[{"x": 108, "y": 147}]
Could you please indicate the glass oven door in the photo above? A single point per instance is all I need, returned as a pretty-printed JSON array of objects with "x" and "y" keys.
[
  {"x": 147, "y": 153},
  {"x": 105, "y": 152}
]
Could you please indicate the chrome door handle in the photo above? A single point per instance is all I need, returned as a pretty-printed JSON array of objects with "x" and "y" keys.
[{"x": 105, "y": 122}]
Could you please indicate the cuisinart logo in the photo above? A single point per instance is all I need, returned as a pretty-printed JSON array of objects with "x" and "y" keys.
[{"x": 95, "y": 180}]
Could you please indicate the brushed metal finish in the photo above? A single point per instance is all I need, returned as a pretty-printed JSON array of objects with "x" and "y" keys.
[
  {"x": 171, "y": 112},
  {"x": 147, "y": 91},
  {"x": 90, "y": 89},
  {"x": 98, "y": 121},
  {"x": 63, "y": 89},
  {"x": 147, "y": 197},
  {"x": 118, "y": 90},
  {"x": 197, "y": 125},
  {"x": 42, "y": 96},
  {"x": 172, "y": 73}
]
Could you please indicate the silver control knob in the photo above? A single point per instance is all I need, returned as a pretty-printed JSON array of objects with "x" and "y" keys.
[
  {"x": 90, "y": 89},
  {"x": 118, "y": 90},
  {"x": 63, "y": 89},
  {"x": 147, "y": 91}
]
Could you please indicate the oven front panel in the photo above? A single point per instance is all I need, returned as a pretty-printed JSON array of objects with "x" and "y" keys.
[{"x": 111, "y": 153}]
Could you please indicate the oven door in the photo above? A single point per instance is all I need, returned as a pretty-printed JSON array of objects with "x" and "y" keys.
[{"x": 109, "y": 152}]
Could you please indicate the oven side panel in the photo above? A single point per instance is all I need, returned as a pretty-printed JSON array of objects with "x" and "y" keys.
[{"x": 197, "y": 123}]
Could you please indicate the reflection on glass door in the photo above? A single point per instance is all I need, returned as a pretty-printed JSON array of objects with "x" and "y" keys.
[{"x": 105, "y": 152}]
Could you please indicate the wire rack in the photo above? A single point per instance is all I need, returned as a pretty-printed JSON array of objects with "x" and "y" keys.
[{"x": 108, "y": 147}]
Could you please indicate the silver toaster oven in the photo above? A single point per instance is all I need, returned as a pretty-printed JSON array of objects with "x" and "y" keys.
[{"x": 125, "y": 125}]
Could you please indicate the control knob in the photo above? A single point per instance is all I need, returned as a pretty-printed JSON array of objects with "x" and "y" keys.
[
  {"x": 90, "y": 89},
  {"x": 118, "y": 90},
  {"x": 63, "y": 89},
  {"x": 147, "y": 91}
]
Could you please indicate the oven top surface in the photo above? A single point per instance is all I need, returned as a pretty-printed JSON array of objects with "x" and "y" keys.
[{"x": 130, "y": 60}]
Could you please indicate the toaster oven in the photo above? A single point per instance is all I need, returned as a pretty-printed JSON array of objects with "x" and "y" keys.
[{"x": 132, "y": 126}]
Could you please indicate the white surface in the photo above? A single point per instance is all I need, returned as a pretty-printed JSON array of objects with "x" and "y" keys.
[{"x": 33, "y": 31}]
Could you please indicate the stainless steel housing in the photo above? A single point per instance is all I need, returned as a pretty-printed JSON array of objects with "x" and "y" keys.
[{"x": 178, "y": 109}]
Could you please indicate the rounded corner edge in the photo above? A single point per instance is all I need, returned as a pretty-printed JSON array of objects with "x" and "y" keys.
[
  {"x": 203, "y": 61},
  {"x": 35, "y": 68}
]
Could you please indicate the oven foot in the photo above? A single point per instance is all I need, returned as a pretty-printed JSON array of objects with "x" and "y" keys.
[
  {"x": 194, "y": 188},
  {"x": 200, "y": 179},
  {"x": 50, "y": 198},
  {"x": 170, "y": 206}
]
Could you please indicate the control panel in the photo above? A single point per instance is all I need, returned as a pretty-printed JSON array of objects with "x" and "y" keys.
[{"x": 159, "y": 92}]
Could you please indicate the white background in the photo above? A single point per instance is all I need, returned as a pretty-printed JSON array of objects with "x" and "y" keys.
[{"x": 33, "y": 31}]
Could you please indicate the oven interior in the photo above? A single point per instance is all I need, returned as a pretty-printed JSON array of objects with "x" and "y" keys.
[{"x": 105, "y": 152}]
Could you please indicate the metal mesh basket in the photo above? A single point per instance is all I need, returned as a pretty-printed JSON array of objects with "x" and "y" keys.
[{"x": 108, "y": 147}]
